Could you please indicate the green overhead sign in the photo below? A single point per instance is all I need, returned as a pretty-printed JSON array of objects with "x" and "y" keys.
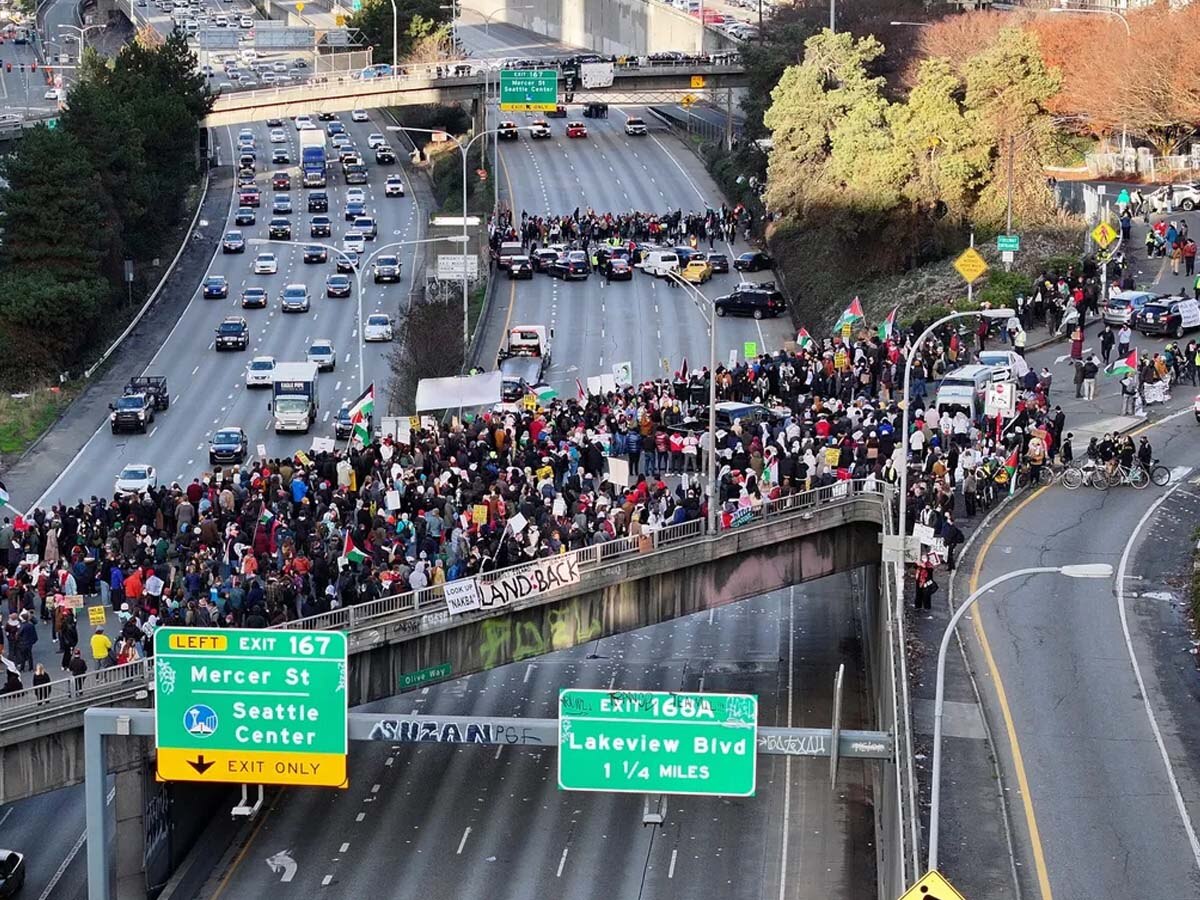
[
  {"x": 528, "y": 90},
  {"x": 657, "y": 742}
]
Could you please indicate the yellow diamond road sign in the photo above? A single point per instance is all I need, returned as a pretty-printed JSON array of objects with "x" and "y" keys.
[
  {"x": 688, "y": 100},
  {"x": 697, "y": 81},
  {"x": 933, "y": 886},
  {"x": 970, "y": 265},
  {"x": 1104, "y": 234}
]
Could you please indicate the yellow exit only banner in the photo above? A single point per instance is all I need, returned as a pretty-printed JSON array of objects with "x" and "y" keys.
[{"x": 252, "y": 767}]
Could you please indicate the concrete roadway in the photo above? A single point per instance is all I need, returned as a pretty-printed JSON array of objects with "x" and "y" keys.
[
  {"x": 1106, "y": 805},
  {"x": 435, "y": 822},
  {"x": 208, "y": 388},
  {"x": 22, "y": 92},
  {"x": 643, "y": 321}
]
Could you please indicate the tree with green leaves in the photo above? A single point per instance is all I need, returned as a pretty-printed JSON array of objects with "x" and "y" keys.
[{"x": 416, "y": 20}]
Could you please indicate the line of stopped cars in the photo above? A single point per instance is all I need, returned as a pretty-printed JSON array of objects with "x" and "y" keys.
[
  {"x": 143, "y": 397},
  {"x": 615, "y": 261}
]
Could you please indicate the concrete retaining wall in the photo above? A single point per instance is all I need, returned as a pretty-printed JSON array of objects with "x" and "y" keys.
[{"x": 618, "y": 27}]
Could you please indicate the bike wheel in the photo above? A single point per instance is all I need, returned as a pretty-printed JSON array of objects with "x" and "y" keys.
[
  {"x": 1072, "y": 478},
  {"x": 1045, "y": 476},
  {"x": 1138, "y": 478},
  {"x": 1160, "y": 475},
  {"x": 1099, "y": 480}
]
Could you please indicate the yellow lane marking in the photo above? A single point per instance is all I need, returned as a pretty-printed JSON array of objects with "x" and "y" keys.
[{"x": 1039, "y": 858}]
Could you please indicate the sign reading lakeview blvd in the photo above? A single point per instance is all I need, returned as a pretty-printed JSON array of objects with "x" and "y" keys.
[
  {"x": 657, "y": 742},
  {"x": 247, "y": 706},
  {"x": 528, "y": 90}
]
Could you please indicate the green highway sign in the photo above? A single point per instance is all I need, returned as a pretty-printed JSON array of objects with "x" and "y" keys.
[
  {"x": 657, "y": 742},
  {"x": 244, "y": 705},
  {"x": 528, "y": 90},
  {"x": 1009, "y": 242},
  {"x": 421, "y": 676}
]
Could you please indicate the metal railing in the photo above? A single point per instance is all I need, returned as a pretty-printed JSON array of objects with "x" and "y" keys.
[{"x": 104, "y": 686}]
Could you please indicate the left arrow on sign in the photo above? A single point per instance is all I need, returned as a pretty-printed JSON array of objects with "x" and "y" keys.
[{"x": 200, "y": 765}]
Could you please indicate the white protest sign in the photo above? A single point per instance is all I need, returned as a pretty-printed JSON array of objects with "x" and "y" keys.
[
  {"x": 618, "y": 471},
  {"x": 1189, "y": 311},
  {"x": 623, "y": 373},
  {"x": 461, "y": 596},
  {"x": 322, "y": 445},
  {"x": 517, "y": 523},
  {"x": 923, "y": 533},
  {"x": 262, "y": 451},
  {"x": 545, "y": 576},
  {"x": 392, "y": 500}
]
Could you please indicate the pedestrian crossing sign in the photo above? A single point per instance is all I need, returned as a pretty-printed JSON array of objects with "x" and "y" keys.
[
  {"x": 1103, "y": 234},
  {"x": 932, "y": 886}
]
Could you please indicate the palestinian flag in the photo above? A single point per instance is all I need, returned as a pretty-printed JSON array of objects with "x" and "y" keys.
[
  {"x": 350, "y": 553},
  {"x": 1126, "y": 366},
  {"x": 580, "y": 392},
  {"x": 1010, "y": 465},
  {"x": 3, "y": 494},
  {"x": 360, "y": 415},
  {"x": 853, "y": 313},
  {"x": 266, "y": 517},
  {"x": 804, "y": 340},
  {"x": 888, "y": 325}
]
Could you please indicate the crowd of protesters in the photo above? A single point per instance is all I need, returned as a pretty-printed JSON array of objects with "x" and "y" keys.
[{"x": 273, "y": 540}]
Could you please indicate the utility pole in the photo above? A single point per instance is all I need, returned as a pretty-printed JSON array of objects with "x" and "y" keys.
[
  {"x": 832, "y": 15},
  {"x": 1012, "y": 149}
]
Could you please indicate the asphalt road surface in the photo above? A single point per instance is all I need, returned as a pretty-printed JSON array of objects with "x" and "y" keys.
[
  {"x": 1100, "y": 680},
  {"x": 208, "y": 388},
  {"x": 438, "y": 822}
]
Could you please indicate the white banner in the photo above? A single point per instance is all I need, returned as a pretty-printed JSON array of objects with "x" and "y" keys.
[
  {"x": 461, "y": 596},
  {"x": 322, "y": 445},
  {"x": 450, "y": 266},
  {"x": 547, "y": 575},
  {"x": 1189, "y": 310},
  {"x": 458, "y": 391},
  {"x": 618, "y": 471},
  {"x": 623, "y": 374},
  {"x": 923, "y": 533}
]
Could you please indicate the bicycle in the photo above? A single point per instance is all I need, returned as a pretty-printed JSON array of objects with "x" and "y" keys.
[
  {"x": 1135, "y": 476},
  {"x": 1160, "y": 476},
  {"x": 1076, "y": 475}
]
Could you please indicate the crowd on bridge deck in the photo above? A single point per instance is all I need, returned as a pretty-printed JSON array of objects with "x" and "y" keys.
[
  {"x": 274, "y": 540},
  {"x": 583, "y": 228}
]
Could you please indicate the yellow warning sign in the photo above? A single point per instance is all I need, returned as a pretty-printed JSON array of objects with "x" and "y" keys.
[
  {"x": 299, "y": 7},
  {"x": 339, "y": 20},
  {"x": 1104, "y": 234},
  {"x": 688, "y": 100},
  {"x": 970, "y": 265},
  {"x": 933, "y": 886},
  {"x": 697, "y": 81}
]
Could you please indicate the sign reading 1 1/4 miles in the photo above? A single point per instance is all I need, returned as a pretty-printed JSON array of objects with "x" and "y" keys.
[
  {"x": 657, "y": 742},
  {"x": 245, "y": 705}
]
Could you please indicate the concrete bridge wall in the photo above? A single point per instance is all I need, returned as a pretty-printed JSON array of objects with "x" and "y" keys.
[{"x": 617, "y": 27}]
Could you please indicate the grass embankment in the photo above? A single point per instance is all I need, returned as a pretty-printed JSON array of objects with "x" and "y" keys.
[{"x": 25, "y": 416}]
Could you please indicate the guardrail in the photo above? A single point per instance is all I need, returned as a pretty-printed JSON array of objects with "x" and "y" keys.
[{"x": 63, "y": 696}]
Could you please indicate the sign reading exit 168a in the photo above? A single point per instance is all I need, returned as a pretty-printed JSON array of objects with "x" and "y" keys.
[{"x": 657, "y": 742}]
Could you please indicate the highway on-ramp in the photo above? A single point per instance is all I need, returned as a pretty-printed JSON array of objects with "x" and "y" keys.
[{"x": 440, "y": 823}]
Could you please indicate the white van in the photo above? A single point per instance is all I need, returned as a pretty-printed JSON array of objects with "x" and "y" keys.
[
  {"x": 965, "y": 388},
  {"x": 659, "y": 262}
]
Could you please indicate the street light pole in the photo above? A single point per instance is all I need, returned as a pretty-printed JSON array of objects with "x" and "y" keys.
[
  {"x": 713, "y": 495},
  {"x": 1089, "y": 570},
  {"x": 395, "y": 39}
]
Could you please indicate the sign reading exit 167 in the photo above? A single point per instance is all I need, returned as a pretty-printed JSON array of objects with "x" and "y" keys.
[
  {"x": 528, "y": 90},
  {"x": 657, "y": 742}
]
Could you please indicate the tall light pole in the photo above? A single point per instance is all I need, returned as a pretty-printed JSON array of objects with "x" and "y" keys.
[
  {"x": 1128, "y": 36},
  {"x": 357, "y": 269},
  {"x": 912, "y": 354},
  {"x": 487, "y": 18},
  {"x": 713, "y": 495},
  {"x": 1087, "y": 570},
  {"x": 81, "y": 38},
  {"x": 464, "y": 149},
  {"x": 395, "y": 40}
]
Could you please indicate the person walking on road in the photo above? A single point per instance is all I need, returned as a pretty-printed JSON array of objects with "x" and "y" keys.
[
  {"x": 1124, "y": 338},
  {"x": 1090, "y": 370},
  {"x": 27, "y": 636},
  {"x": 1078, "y": 364},
  {"x": 101, "y": 648},
  {"x": 1189, "y": 257},
  {"x": 1107, "y": 339}
]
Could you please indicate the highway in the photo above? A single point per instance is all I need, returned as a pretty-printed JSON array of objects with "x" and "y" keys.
[
  {"x": 1099, "y": 686},
  {"x": 435, "y": 822},
  {"x": 208, "y": 388}
]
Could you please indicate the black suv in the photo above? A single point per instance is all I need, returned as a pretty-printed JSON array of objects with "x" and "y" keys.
[
  {"x": 280, "y": 229},
  {"x": 758, "y": 300},
  {"x": 385, "y": 156},
  {"x": 315, "y": 253},
  {"x": 343, "y": 427},
  {"x": 318, "y": 201},
  {"x": 233, "y": 334},
  {"x": 572, "y": 264},
  {"x": 1160, "y": 316}
]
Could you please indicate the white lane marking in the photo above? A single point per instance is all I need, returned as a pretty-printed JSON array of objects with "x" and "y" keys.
[
  {"x": 498, "y": 749},
  {"x": 7, "y": 813},
  {"x": 344, "y": 847},
  {"x": 671, "y": 869},
  {"x": 61, "y": 870},
  {"x": 787, "y": 765},
  {"x": 463, "y": 842},
  {"x": 528, "y": 672},
  {"x": 1180, "y": 805},
  {"x": 326, "y": 880},
  {"x": 612, "y": 681},
  {"x": 1178, "y": 473},
  {"x": 153, "y": 430},
  {"x": 375, "y": 789},
  {"x": 562, "y": 862},
  {"x": 360, "y": 817},
  {"x": 194, "y": 371}
]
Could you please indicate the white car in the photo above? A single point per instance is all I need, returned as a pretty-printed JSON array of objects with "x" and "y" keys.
[
  {"x": 378, "y": 328},
  {"x": 246, "y": 22},
  {"x": 355, "y": 241},
  {"x": 322, "y": 353},
  {"x": 340, "y": 140},
  {"x": 135, "y": 478},
  {"x": 359, "y": 115},
  {"x": 304, "y": 123},
  {"x": 1183, "y": 196},
  {"x": 266, "y": 264},
  {"x": 356, "y": 195},
  {"x": 51, "y": 94},
  {"x": 394, "y": 186},
  {"x": 260, "y": 372},
  {"x": 376, "y": 140},
  {"x": 277, "y": 136}
]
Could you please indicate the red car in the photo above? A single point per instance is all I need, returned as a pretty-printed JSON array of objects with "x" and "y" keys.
[
  {"x": 576, "y": 130},
  {"x": 249, "y": 197},
  {"x": 281, "y": 181}
]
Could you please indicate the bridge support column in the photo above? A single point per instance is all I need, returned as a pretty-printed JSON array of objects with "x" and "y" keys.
[
  {"x": 479, "y": 113},
  {"x": 129, "y": 807}
]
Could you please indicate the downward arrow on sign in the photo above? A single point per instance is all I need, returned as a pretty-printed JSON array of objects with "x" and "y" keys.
[{"x": 200, "y": 765}]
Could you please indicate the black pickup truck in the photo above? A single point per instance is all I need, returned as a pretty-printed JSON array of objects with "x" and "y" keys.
[
  {"x": 134, "y": 411},
  {"x": 153, "y": 385}
]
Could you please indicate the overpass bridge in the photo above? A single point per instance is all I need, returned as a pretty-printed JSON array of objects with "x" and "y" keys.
[
  {"x": 637, "y": 80},
  {"x": 623, "y": 585}
]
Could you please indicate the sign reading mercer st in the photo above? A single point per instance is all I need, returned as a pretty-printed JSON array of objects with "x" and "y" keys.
[
  {"x": 250, "y": 706},
  {"x": 528, "y": 90}
]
